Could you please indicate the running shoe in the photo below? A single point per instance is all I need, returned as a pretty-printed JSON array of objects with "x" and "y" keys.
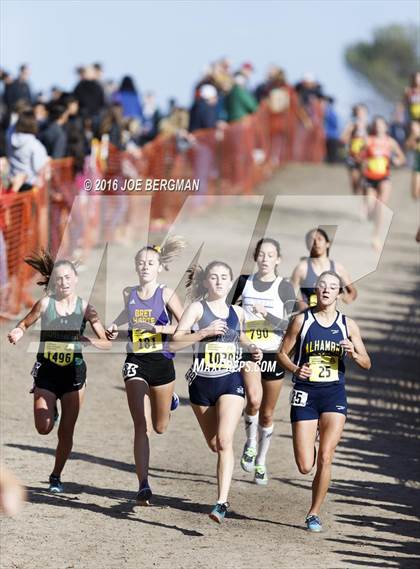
[
  {"x": 56, "y": 487},
  {"x": 174, "y": 402},
  {"x": 144, "y": 495},
  {"x": 313, "y": 523},
  {"x": 260, "y": 475},
  {"x": 248, "y": 458},
  {"x": 218, "y": 513}
]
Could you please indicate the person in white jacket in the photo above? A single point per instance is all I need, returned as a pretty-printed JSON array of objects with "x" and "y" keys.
[{"x": 27, "y": 155}]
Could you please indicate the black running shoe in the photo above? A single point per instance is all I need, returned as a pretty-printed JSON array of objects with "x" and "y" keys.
[
  {"x": 144, "y": 495},
  {"x": 56, "y": 487}
]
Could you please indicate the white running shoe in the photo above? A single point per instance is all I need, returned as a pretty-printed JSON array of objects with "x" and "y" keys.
[
  {"x": 260, "y": 475},
  {"x": 248, "y": 458}
]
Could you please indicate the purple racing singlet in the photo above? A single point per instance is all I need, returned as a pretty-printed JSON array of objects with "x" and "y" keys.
[{"x": 152, "y": 311}]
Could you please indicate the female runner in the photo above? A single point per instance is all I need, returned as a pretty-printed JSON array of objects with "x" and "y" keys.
[
  {"x": 148, "y": 371},
  {"x": 354, "y": 137},
  {"x": 216, "y": 386},
  {"x": 380, "y": 150},
  {"x": 413, "y": 143},
  {"x": 59, "y": 371},
  {"x": 322, "y": 338},
  {"x": 307, "y": 272},
  {"x": 268, "y": 301}
]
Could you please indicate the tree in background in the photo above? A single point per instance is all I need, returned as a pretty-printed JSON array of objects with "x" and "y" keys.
[{"x": 388, "y": 60}]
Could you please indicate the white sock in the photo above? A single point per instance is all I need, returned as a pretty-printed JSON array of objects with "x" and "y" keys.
[
  {"x": 251, "y": 428},
  {"x": 264, "y": 440}
]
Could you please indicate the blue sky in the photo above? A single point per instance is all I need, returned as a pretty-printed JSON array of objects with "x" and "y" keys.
[{"x": 165, "y": 45}]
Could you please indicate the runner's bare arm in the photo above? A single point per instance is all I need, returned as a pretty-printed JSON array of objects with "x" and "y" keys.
[
  {"x": 172, "y": 301},
  {"x": 249, "y": 346},
  {"x": 289, "y": 342},
  {"x": 346, "y": 134},
  {"x": 183, "y": 337},
  {"x": 33, "y": 315},
  {"x": 399, "y": 156},
  {"x": 297, "y": 277},
  {"x": 122, "y": 318},
  {"x": 350, "y": 292},
  {"x": 101, "y": 342},
  {"x": 355, "y": 347}
]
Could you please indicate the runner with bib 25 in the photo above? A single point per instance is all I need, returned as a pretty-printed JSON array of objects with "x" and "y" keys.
[{"x": 322, "y": 339}]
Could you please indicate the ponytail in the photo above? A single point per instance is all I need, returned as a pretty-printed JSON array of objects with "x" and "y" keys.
[
  {"x": 44, "y": 264},
  {"x": 196, "y": 276},
  {"x": 167, "y": 252},
  {"x": 194, "y": 283}
]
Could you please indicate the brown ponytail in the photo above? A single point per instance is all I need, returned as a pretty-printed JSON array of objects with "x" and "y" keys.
[
  {"x": 44, "y": 264},
  {"x": 196, "y": 276}
]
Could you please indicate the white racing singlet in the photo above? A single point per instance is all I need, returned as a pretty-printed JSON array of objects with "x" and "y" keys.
[{"x": 259, "y": 330}]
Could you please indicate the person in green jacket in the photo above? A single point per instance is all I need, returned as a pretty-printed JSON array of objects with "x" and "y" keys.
[{"x": 239, "y": 101}]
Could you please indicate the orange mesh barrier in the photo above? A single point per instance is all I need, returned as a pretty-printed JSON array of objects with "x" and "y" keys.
[
  {"x": 232, "y": 159},
  {"x": 22, "y": 218}
]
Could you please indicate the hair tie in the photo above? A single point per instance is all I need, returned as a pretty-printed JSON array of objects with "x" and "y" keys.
[{"x": 157, "y": 248}]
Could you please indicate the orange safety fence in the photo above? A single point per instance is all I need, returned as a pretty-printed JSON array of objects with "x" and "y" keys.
[
  {"x": 232, "y": 159},
  {"x": 23, "y": 220}
]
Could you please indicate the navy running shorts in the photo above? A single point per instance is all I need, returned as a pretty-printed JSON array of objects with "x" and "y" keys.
[
  {"x": 206, "y": 391},
  {"x": 308, "y": 402}
]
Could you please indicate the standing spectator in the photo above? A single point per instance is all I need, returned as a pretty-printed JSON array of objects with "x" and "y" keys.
[
  {"x": 280, "y": 100},
  {"x": 56, "y": 94},
  {"x": 204, "y": 111},
  {"x": 412, "y": 97},
  {"x": 204, "y": 115},
  {"x": 239, "y": 101},
  {"x": 54, "y": 135},
  {"x": 18, "y": 90},
  {"x": 27, "y": 155},
  {"x": 398, "y": 126},
  {"x": 110, "y": 88},
  {"x": 128, "y": 97},
  {"x": 77, "y": 145},
  {"x": 247, "y": 69},
  {"x": 151, "y": 118},
  {"x": 308, "y": 89},
  {"x": 332, "y": 130},
  {"x": 112, "y": 126},
  {"x": 89, "y": 93},
  {"x": 7, "y": 80},
  {"x": 41, "y": 115},
  {"x": 98, "y": 72}
]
